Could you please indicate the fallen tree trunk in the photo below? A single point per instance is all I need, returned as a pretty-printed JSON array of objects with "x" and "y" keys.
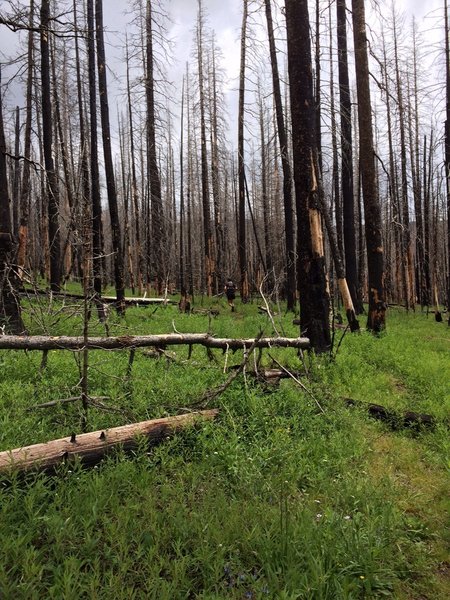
[
  {"x": 133, "y": 301},
  {"x": 91, "y": 447},
  {"x": 42, "y": 342},
  {"x": 394, "y": 419}
]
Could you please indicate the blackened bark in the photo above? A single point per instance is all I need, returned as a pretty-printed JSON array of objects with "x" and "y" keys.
[
  {"x": 242, "y": 241},
  {"x": 109, "y": 166},
  {"x": 10, "y": 317},
  {"x": 406, "y": 237},
  {"x": 26, "y": 179},
  {"x": 447, "y": 147},
  {"x": 47, "y": 132},
  {"x": 372, "y": 211},
  {"x": 215, "y": 177},
  {"x": 156, "y": 209},
  {"x": 348, "y": 204},
  {"x": 97, "y": 228},
  {"x": 207, "y": 238},
  {"x": 314, "y": 298},
  {"x": 287, "y": 175},
  {"x": 134, "y": 188},
  {"x": 16, "y": 177}
]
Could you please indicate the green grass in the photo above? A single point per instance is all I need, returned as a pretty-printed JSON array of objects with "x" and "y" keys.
[{"x": 274, "y": 500}]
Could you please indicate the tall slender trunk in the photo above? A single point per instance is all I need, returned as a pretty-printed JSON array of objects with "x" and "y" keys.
[
  {"x": 406, "y": 238},
  {"x": 215, "y": 177},
  {"x": 264, "y": 196},
  {"x": 26, "y": 179},
  {"x": 109, "y": 166},
  {"x": 242, "y": 237},
  {"x": 372, "y": 211},
  {"x": 348, "y": 204},
  {"x": 447, "y": 146},
  {"x": 426, "y": 217},
  {"x": 413, "y": 126},
  {"x": 156, "y": 208},
  {"x": 63, "y": 149},
  {"x": 97, "y": 228},
  {"x": 52, "y": 190},
  {"x": 287, "y": 175},
  {"x": 182, "y": 271},
  {"x": 10, "y": 315},
  {"x": 16, "y": 177},
  {"x": 134, "y": 186},
  {"x": 399, "y": 266}
]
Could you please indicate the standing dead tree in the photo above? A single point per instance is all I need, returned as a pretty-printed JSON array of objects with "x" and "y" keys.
[
  {"x": 311, "y": 280},
  {"x": 10, "y": 317},
  {"x": 372, "y": 211},
  {"x": 109, "y": 166}
]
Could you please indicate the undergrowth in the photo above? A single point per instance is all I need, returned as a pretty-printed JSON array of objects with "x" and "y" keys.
[{"x": 276, "y": 499}]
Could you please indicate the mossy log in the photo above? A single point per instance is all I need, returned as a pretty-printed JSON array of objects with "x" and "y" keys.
[
  {"x": 91, "y": 447},
  {"x": 42, "y": 342}
]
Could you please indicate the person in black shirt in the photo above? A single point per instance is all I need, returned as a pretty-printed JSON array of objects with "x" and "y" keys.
[{"x": 230, "y": 292}]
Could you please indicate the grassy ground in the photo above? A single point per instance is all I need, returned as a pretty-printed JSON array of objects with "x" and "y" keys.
[{"x": 275, "y": 500}]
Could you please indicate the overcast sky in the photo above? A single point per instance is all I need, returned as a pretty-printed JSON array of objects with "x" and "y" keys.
[{"x": 223, "y": 16}]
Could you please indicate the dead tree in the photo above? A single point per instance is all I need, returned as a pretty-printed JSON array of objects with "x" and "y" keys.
[
  {"x": 372, "y": 211},
  {"x": 109, "y": 166},
  {"x": 10, "y": 317},
  {"x": 52, "y": 191},
  {"x": 348, "y": 205},
  {"x": 155, "y": 245},
  {"x": 447, "y": 147},
  {"x": 311, "y": 280},
  {"x": 285, "y": 163},
  {"x": 242, "y": 236}
]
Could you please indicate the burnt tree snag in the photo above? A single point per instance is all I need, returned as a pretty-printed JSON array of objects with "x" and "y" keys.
[
  {"x": 373, "y": 225},
  {"x": 311, "y": 279}
]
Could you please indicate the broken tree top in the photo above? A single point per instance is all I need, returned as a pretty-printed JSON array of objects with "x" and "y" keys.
[{"x": 42, "y": 342}]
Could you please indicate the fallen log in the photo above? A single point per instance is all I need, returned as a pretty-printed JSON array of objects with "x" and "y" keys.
[
  {"x": 43, "y": 342},
  {"x": 128, "y": 300},
  {"x": 91, "y": 447},
  {"x": 394, "y": 419}
]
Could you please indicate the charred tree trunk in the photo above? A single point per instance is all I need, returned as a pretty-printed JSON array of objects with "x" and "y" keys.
[
  {"x": 206, "y": 209},
  {"x": 134, "y": 187},
  {"x": 447, "y": 147},
  {"x": 26, "y": 176},
  {"x": 47, "y": 132},
  {"x": 215, "y": 177},
  {"x": 97, "y": 228},
  {"x": 372, "y": 211},
  {"x": 348, "y": 205},
  {"x": 314, "y": 298},
  {"x": 406, "y": 238},
  {"x": 287, "y": 175},
  {"x": 10, "y": 317},
  {"x": 109, "y": 166},
  {"x": 242, "y": 237},
  {"x": 156, "y": 208}
]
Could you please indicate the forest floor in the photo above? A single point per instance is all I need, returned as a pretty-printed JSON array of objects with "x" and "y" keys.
[{"x": 289, "y": 494}]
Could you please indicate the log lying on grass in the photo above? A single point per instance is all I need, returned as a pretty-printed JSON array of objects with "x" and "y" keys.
[
  {"x": 128, "y": 300},
  {"x": 91, "y": 447},
  {"x": 42, "y": 342},
  {"x": 394, "y": 419}
]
